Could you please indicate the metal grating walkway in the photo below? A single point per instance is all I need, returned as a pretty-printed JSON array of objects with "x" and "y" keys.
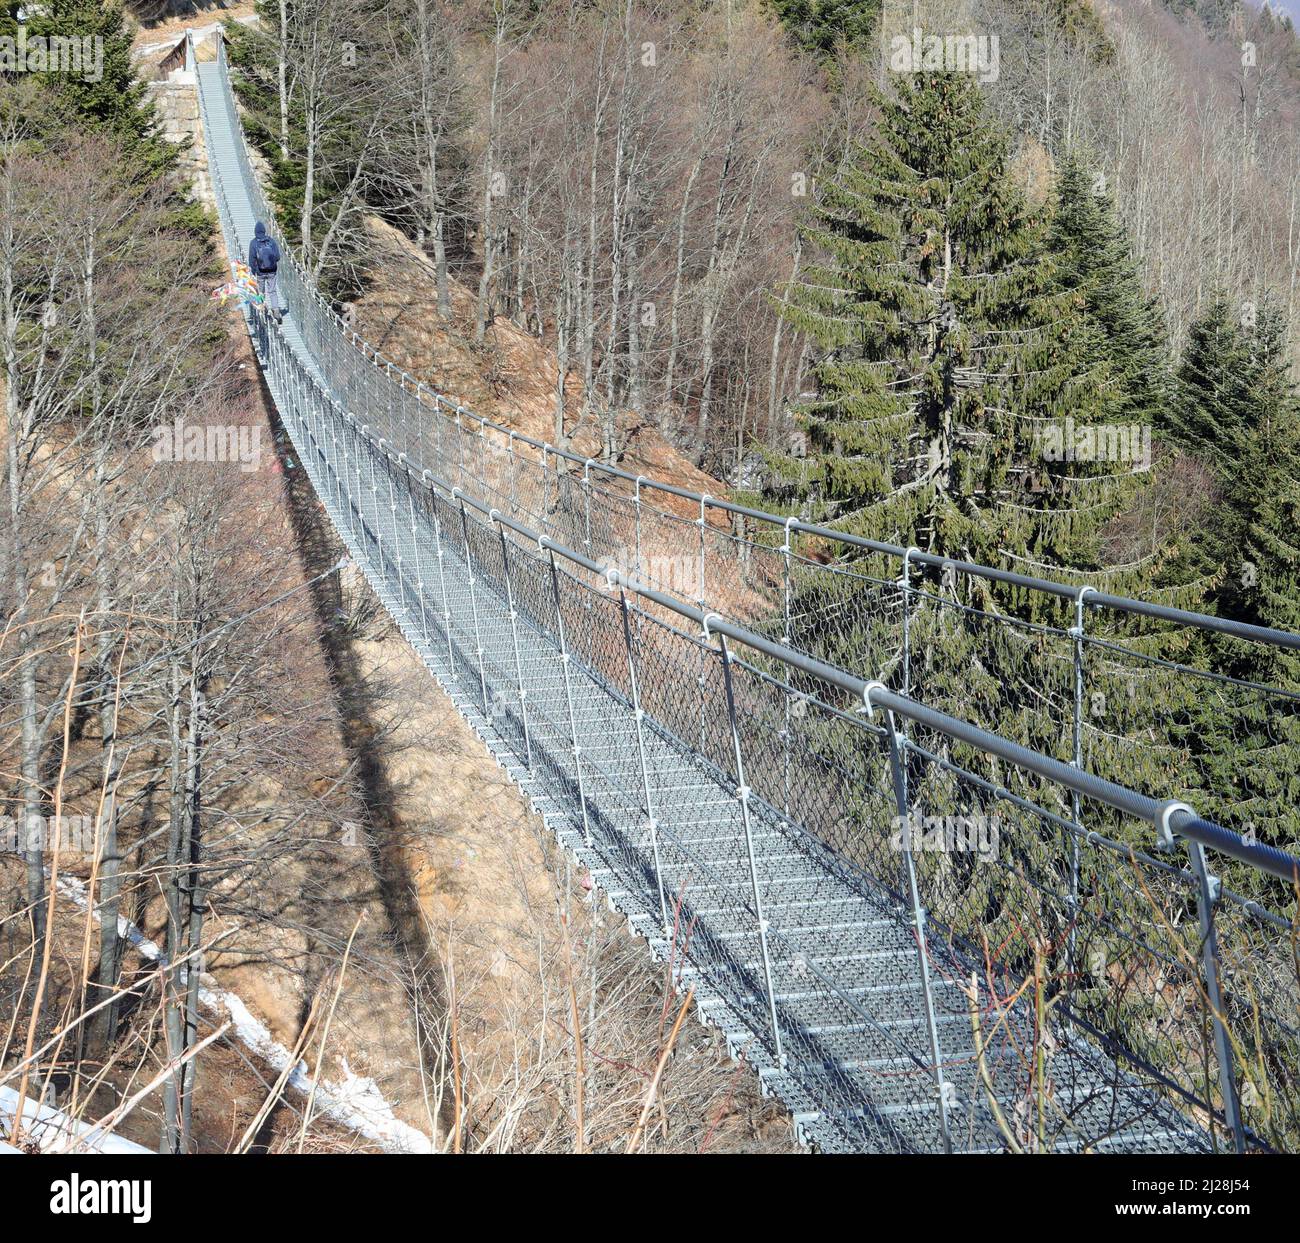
[{"x": 653, "y": 818}]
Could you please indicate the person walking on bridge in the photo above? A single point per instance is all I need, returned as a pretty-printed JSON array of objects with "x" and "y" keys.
[{"x": 264, "y": 263}]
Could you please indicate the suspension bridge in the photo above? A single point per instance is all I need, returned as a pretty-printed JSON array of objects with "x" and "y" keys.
[{"x": 1080, "y": 967}]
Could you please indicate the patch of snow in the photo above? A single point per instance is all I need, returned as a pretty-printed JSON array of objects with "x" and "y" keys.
[
  {"x": 53, "y": 1131},
  {"x": 356, "y": 1102}
]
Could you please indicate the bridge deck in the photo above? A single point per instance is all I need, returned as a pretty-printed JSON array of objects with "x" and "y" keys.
[{"x": 844, "y": 959}]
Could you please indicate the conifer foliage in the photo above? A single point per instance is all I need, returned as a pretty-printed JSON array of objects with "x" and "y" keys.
[
  {"x": 108, "y": 94},
  {"x": 826, "y": 26},
  {"x": 1095, "y": 263},
  {"x": 1237, "y": 409},
  {"x": 951, "y": 349}
]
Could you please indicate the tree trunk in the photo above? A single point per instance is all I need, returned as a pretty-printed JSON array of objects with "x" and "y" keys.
[
  {"x": 16, "y": 440},
  {"x": 485, "y": 276},
  {"x": 773, "y": 367},
  {"x": 309, "y": 186},
  {"x": 674, "y": 329},
  {"x": 194, "y": 896},
  {"x": 173, "y": 1015},
  {"x": 282, "y": 71}
]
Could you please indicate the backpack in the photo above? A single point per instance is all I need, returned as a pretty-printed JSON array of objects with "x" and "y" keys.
[{"x": 266, "y": 254}]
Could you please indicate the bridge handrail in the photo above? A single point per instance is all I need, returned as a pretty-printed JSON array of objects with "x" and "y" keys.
[{"x": 1171, "y": 816}]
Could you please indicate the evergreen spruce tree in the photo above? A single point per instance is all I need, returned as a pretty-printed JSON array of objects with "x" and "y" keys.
[
  {"x": 959, "y": 377},
  {"x": 1211, "y": 414},
  {"x": 108, "y": 97},
  {"x": 1076, "y": 19},
  {"x": 1215, "y": 14},
  {"x": 1262, "y": 485},
  {"x": 952, "y": 354},
  {"x": 1095, "y": 263},
  {"x": 1237, "y": 411},
  {"x": 1264, "y": 492},
  {"x": 823, "y": 27},
  {"x": 114, "y": 99}
]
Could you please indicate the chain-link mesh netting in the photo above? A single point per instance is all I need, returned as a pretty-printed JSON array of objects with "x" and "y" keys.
[{"x": 1062, "y": 984}]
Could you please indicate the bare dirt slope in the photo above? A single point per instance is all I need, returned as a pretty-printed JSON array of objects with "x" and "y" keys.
[
  {"x": 161, "y": 20},
  {"x": 511, "y": 379}
]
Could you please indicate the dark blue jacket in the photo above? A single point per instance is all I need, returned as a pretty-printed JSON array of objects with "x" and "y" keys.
[{"x": 263, "y": 253}]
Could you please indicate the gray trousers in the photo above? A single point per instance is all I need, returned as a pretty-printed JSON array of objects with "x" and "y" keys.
[{"x": 268, "y": 283}]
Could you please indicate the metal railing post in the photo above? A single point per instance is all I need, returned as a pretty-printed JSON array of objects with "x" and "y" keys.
[
  {"x": 900, "y": 730},
  {"x": 639, "y": 715},
  {"x": 427, "y": 479},
  {"x": 373, "y": 458},
  {"x": 346, "y": 433},
  {"x": 493, "y": 517},
  {"x": 392, "y": 517},
  {"x": 415, "y": 546},
  {"x": 338, "y": 458},
  {"x": 411, "y": 412},
  {"x": 742, "y": 797},
  {"x": 636, "y": 510},
  {"x": 326, "y": 443},
  {"x": 439, "y": 421},
  {"x": 1078, "y": 635},
  {"x": 897, "y": 769},
  {"x": 514, "y": 477},
  {"x": 473, "y": 601},
  {"x": 586, "y": 488},
  {"x": 1209, "y": 889},
  {"x": 460, "y": 452},
  {"x": 541, "y": 517},
  {"x": 905, "y": 582},
  {"x": 703, "y": 522},
  {"x": 394, "y": 418},
  {"x": 359, "y": 518},
  {"x": 565, "y": 662},
  {"x": 787, "y": 606}
]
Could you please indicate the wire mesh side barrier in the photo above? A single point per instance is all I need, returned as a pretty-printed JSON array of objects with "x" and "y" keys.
[
  {"x": 661, "y": 743},
  {"x": 362, "y": 476},
  {"x": 1080, "y": 1092}
]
